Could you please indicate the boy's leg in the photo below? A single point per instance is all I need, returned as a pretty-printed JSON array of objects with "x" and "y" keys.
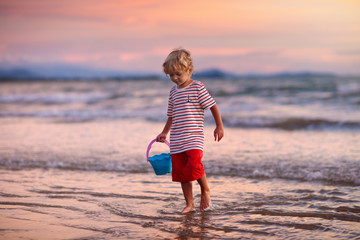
[
  {"x": 188, "y": 194},
  {"x": 205, "y": 193}
]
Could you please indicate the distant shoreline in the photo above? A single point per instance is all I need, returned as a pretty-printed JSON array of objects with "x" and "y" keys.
[{"x": 20, "y": 74}]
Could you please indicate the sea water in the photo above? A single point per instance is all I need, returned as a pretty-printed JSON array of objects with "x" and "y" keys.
[{"x": 73, "y": 161}]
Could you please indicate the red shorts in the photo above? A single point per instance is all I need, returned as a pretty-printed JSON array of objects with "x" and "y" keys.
[{"x": 187, "y": 166}]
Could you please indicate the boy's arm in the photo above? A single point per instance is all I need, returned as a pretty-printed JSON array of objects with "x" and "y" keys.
[
  {"x": 219, "y": 130},
  {"x": 162, "y": 136}
]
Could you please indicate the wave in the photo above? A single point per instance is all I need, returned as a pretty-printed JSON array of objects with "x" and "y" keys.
[
  {"x": 58, "y": 98},
  {"x": 344, "y": 174},
  {"x": 333, "y": 88},
  {"x": 290, "y": 123},
  {"x": 318, "y": 103}
]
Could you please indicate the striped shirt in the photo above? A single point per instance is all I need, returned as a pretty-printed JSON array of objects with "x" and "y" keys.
[{"x": 186, "y": 107}]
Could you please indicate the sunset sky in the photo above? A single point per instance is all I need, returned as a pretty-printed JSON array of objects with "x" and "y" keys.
[{"x": 241, "y": 36}]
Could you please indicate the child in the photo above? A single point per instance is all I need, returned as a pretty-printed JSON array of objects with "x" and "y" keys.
[{"x": 187, "y": 101}]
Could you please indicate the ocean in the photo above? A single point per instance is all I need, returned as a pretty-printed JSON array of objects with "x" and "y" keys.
[{"x": 73, "y": 160}]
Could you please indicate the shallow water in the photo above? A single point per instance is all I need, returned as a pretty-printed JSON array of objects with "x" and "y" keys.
[{"x": 120, "y": 145}]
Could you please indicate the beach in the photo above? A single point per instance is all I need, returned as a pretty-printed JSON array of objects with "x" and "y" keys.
[{"x": 73, "y": 162}]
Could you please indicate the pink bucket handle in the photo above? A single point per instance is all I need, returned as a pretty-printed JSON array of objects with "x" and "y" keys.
[{"x": 149, "y": 147}]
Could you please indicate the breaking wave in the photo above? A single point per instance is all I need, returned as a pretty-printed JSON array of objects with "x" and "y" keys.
[
  {"x": 291, "y": 123},
  {"x": 344, "y": 174}
]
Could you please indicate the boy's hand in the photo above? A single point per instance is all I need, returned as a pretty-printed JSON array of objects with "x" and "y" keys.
[
  {"x": 218, "y": 133},
  {"x": 161, "y": 137}
]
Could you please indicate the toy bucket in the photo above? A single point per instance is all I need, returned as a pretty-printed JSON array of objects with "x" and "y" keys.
[{"x": 161, "y": 163}]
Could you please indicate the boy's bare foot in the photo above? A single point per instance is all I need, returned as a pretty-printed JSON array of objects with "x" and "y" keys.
[
  {"x": 205, "y": 200},
  {"x": 188, "y": 209}
]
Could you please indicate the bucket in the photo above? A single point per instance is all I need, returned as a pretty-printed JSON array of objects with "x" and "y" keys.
[{"x": 161, "y": 163}]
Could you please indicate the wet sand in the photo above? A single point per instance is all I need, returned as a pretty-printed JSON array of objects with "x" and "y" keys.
[{"x": 53, "y": 204}]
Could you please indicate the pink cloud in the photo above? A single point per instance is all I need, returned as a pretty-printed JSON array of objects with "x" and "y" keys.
[
  {"x": 126, "y": 57},
  {"x": 82, "y": 58}
]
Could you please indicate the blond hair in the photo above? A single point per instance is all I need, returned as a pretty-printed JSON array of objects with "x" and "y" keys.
[{"x": 178, "y": 60}]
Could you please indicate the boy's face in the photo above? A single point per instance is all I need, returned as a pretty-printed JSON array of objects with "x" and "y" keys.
[{"x": 181, "y": 79}]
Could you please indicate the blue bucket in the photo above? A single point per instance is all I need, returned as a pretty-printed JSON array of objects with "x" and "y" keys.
[{"x": 161, "y": 163}]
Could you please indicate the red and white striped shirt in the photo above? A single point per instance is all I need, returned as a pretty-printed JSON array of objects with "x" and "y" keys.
[{"x": 186, "y": 107}]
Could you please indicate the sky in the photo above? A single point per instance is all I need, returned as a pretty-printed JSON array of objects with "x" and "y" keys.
[{"x": 240, "y": 36}]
